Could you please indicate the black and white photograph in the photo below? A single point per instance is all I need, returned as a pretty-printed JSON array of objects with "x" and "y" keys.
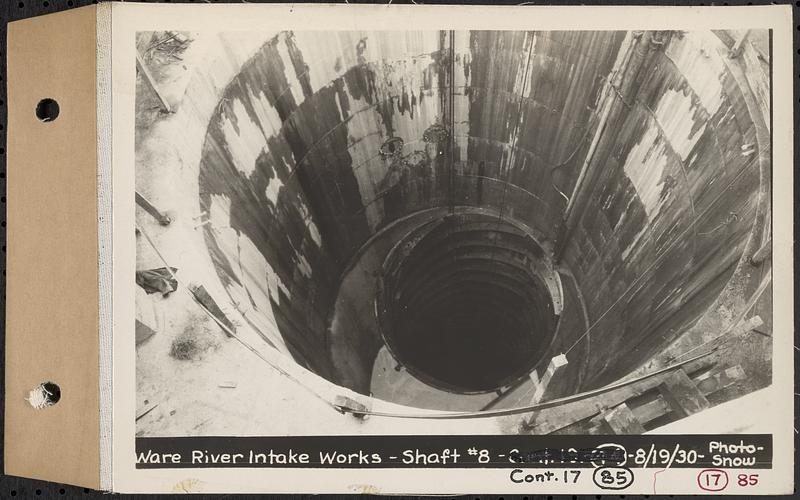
[
  {"x": 495, "y": 232},
  {"x": 400, "y": 248}
]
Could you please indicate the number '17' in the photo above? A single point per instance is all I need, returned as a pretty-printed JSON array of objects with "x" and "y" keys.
[{"x": 716, "y": 477}]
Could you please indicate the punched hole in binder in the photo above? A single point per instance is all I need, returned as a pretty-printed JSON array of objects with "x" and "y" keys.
[
  {"x": 44, "y": 395},
  {"x": 47, "y": 110}
]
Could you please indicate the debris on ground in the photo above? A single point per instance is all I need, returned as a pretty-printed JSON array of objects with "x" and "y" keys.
[
  {"x": 157, "y": 280},
  {"x": 196, "y": 339}
]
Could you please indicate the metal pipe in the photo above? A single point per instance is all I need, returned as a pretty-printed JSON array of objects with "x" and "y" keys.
[
  {"x": 151, "y": 209},
  {"x": 148, "y": 78},
  {"x": 614, "y": 79}
]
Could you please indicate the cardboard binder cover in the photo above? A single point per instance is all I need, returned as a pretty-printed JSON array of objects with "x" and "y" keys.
[{"x": 52, "y": 271}]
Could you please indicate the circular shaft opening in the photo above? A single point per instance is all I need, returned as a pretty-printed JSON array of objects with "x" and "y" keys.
[{"x": 463, "y": 309}]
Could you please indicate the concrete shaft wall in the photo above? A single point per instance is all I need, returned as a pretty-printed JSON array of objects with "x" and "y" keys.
[{"x": 325, "y": 139}]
